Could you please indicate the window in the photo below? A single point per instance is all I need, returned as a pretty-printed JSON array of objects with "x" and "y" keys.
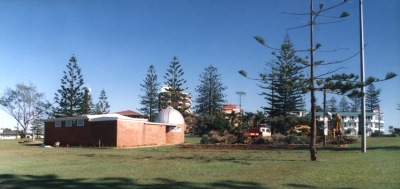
[
  {"x": 175, "y": 129},
  {"x": 68, "y": 123},
  {"x": 57, "y": 123},
  {"x": 80, "y": 122}
]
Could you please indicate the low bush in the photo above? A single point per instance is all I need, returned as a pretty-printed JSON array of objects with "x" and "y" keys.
[
  {"x": 351, "y": 140},
  {"x": 205, "y": 140},
  {"x": 260, "y": 140},
  {"x": 278, "y": 139},
  {"x": 231, "y": 139}
]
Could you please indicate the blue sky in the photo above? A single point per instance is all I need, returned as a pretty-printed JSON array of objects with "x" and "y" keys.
[{"x": 115, "y": 42}]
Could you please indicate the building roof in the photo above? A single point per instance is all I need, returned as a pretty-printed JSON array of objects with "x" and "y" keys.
[
  {"x": 170, "y": 116},
  {"x": 101, "y": 117},
  {"x": 129, "y": 113},
  {"x": 229, "y": 107}
]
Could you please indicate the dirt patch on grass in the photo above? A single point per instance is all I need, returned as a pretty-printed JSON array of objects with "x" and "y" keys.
[
  {"x": 244, "y": 146},
  {"x": 31, "y": 143}
]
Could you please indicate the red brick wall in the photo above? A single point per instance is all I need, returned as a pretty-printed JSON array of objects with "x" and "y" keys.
[
  {"x": 112, "y": 133},
  {"x": 154, "y": 134},
  {"x": 129, "y": 133},
  {"x": 87, "y": 135},
  {"x": 174, "y": 137}
]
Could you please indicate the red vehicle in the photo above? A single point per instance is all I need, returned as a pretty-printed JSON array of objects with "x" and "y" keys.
[{"x": 258, "y": 131}]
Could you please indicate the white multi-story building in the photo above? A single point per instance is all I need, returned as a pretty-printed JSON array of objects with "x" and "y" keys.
[
  {"x": 350, "y": 122},
  {"x": 165, "y": 101}
]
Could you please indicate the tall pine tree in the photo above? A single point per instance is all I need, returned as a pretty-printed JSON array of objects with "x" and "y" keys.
[
  {"x": 286, "y": 91},
  {"x": 70, "y": 98},
  {"x": 372, "y": 98},
  {"x": 175, "y": 82},
  {"x": 210, "y": 97},
  {"x": 102, "y": 106},
  {"x": 332, "y": 105},
  {"x": 344, "y": 105},
  {"x": 88, "y": 102},
  {"x": 149, "y": 100},
  {"x": 355, "y": 106}
]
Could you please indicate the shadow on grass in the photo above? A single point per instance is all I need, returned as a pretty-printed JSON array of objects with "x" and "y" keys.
[
  {"x": 11, "y": 181},
  {"x": 300, "y": 186},
  {"x": 389, "y": 148}
]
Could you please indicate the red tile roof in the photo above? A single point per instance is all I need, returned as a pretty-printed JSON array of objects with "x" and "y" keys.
[
  {"x": 229, "y": 107},
  {"x": 129, "y": 113}
]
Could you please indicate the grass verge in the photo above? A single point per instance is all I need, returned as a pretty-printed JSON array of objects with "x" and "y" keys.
[{"x": 25, "y": 166}]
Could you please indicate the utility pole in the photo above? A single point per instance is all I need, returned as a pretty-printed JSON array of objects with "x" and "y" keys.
[
  {"x": 362, "y": 121},
  {"x": 313, "y": 149},
  {"x": 379, "y": 120},
  {"x": 240, "y": 93}
]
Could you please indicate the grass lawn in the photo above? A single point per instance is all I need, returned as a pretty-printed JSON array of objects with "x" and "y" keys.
[{"x": 23, "y": 166}]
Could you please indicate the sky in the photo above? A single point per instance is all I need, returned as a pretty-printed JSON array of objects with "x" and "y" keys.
[{"x": 115, "y": 42}]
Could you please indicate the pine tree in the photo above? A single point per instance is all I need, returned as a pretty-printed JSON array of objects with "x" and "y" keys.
[
  {"x": 286, "y": 91},
  {"x": 356, "y": 105},
  {"x": 102, "y": 106},
  {"x": 340, "y": 83},
  {"x": 150, "y": 98},
  {"x": 344, "y": 105},
  {"x": 88, "y": 106},
  {"x": 175, "y": 82},
  {"x": 372, "y": 98},
  {"x": 70, "y": 98},
  {"x": 210, "y": 92},
  {"x": 332, "y": 105}
]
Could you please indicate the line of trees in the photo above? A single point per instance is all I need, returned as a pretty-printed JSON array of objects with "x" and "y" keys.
[
  {"x": 371, "y": 98},
  {"x": 344, "y": 83},
  {"x": 29, "y": 107},
  {"x": 73, "y": 98},
  {"x": 209, "y": 101}
]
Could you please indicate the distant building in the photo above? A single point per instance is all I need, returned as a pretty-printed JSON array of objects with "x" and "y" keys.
[
  {"x": 130, "y": 113},
  {"x": 9, "y": 134},
  {"x": 350, "y": 122},
  {"x": 232, "y": 113},
  {"x": 164, "y": 100},
  {"x": 6, "y": 133}
]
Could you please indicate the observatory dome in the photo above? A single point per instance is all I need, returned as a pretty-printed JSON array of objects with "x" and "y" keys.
[{"x": 170, "y": 116}]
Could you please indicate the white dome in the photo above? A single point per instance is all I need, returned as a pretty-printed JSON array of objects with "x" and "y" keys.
[{"x": 170, "y": 115}]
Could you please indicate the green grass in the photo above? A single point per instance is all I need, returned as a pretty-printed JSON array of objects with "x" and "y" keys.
[{"x": 24, "y": 166}]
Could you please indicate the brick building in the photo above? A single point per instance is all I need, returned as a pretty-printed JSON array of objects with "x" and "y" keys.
[{"x": 116, "y": 130}]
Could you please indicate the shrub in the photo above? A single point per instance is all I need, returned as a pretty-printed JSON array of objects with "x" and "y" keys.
[
  {"x": 351, "y": 140},
  {"x": 213, "y": 140},
  {"x": 205, "y": 140},
  {"x": 241, "y": 139},
  {"x": 377, "y": 134},
  {"x": 291, "y": 139},
  {"x": 259, "y": 140},
  {"x": 230, "y": 139},
  {"x": 278, "y": 138}
]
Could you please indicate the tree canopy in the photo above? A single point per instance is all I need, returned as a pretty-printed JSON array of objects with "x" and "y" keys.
[
  {"x": 25, "y": 104},
  {"x": 149, "y": 100},
  {"x": 69, "y": 99},
  {"x": 211, "y": 95}
]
